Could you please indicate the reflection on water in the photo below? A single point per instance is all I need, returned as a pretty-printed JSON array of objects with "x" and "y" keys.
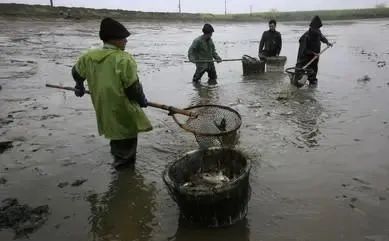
[
  {"x": 187, "y": 232},
  {"x": 126, "y": 211},
  {"x": 306, "y": 113},
  {"x": 205, "y": 94},
  {"x": 268, "y": 76}
]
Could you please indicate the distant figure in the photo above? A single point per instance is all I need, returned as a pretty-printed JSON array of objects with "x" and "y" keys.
[
  {"x": 271, "y": 42},
  {"x": 116, "y": 92},
  {"x": 202, "y": 52},
  {"x": 310, "y": 44}
]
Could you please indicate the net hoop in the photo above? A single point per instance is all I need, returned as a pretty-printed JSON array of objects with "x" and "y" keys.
[
  {"x": 294, "y": 70},
  {"x": 198, "y": 133}
]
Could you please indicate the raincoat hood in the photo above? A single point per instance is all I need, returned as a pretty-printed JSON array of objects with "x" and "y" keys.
[
  {"x": 316, "y": 22},
  {"x": 99, "y": 55}
]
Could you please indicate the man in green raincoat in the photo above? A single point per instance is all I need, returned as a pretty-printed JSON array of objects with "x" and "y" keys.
[
  {"x": 202, "y": 52},
  {"x": 116, "y": 92}
]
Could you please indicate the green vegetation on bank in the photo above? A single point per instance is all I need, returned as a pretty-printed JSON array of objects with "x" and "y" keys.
[
  {"x": 346, "y": 14},
  {"x": 43, "y": 11}
]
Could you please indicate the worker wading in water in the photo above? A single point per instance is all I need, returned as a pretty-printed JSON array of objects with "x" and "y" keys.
[
  {"x": 202, "y": 52},
  {"x": 116, "y": 92},
  {"x": 310, "y": 44}
]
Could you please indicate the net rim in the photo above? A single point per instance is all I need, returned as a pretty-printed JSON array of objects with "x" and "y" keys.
[
  {"x": 292, "y": 70},
  {"x": 183, "y": 126}
]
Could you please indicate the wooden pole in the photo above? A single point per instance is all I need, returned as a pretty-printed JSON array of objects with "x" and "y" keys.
[
  {"x": 211, "y": 61},
  {"x": 172, "y": 109}
]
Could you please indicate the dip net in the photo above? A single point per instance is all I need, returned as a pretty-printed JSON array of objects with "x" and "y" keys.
[
  {"x": 298, "y": 76},
  {"x": 212, "y": 125}
]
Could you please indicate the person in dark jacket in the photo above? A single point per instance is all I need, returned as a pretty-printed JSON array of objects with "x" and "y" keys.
[
  {"x": 202, "y": 52},
  {"x": 271, "y": 42},
  {"x": 310, "y": 44}
]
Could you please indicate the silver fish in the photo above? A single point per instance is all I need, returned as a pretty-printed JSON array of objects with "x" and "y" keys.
[{"x": 215, "y": 178}]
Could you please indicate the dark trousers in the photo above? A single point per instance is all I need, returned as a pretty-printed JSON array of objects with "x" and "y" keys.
[
  {"x": 124, "y": 150},
  {"x": 312, "y": 68},
  {"x": 202, "y": 68},
  {"x": 267, "y": 53}
]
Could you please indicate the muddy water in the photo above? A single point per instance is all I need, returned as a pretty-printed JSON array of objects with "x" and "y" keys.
[{"x": 320, "y": 158}]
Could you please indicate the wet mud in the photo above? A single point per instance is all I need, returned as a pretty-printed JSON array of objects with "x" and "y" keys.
[
  {"x": 319, "y": 155},
  {"x": 22, "y": 219}
]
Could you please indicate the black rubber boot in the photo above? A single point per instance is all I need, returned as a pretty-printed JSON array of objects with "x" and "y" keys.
[
  {"x": 124, "y": 152},
  {"x": 120, "y": 163}
]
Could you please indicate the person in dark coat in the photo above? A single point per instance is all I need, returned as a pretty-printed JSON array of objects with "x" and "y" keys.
[
  {"x": 271, "y": 42},
  {"x": 310, "y": 44}
]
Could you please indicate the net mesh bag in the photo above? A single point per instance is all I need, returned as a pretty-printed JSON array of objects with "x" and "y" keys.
[
  {"x": 213, "y": 125},
  {"x": 298, "y": 76}
]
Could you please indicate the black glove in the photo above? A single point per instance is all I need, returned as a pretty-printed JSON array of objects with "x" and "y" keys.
[
  {"x": 135, "y": 93},
  {"x": 143, "y": 102},
  {"x": 79, "y": 90}
]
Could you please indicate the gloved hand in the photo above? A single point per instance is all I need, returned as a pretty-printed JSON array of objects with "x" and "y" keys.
[
  {"x": 141, "y": 98},
  {"x": 192, "y": 60},
  {"x": 219, "y": 60},
  {"x": 330, "y": 44},
  {"x": 135, "y": 93},
  {"x": 143, "y": 102},
  {"x": 79, "y": 90}
]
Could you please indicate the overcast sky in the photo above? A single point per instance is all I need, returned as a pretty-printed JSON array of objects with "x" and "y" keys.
[{"x": 211, "y": 6}]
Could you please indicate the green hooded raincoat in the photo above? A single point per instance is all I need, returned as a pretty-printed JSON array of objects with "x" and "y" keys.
[{"x": 109, "y": 71}]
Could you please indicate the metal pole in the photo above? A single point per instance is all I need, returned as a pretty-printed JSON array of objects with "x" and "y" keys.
[
  {"x": 225, "y": 7},
  {"x": 251, "y": 10},
  {"x": 51, "y": 3},
  {"x": 179, "y": 6}
]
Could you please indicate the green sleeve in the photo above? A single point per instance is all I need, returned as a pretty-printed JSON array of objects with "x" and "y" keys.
[
  {"x": 128, "y": 71},
  {"x": 81, "y": 66}
]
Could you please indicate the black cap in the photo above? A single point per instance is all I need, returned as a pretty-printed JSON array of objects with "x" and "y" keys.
[
  {"x": 208, "y": 28},
  {"x": 111, "y": 29},
  {"x": 316, "y": 22}
]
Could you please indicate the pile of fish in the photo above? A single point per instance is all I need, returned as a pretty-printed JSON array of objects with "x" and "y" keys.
[{"x": 207, "y": 180}]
